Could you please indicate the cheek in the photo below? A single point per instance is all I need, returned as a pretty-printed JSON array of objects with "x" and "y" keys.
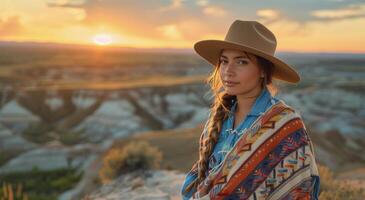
[
  {"x": 220, "y": 71},
  {"x": 248, "y": 74}
]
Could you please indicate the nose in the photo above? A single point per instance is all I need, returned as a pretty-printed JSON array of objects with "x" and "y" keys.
[{"x": 229, "y": 69}]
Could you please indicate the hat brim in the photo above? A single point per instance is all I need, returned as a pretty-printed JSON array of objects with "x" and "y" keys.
[{"x": 210, "y": 50}]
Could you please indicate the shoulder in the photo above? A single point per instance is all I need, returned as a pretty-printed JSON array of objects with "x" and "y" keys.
[
  {"x": 283, "y": 114},
  {"x": 290, "y": 118},
  {"x": 280, "y": 107}
]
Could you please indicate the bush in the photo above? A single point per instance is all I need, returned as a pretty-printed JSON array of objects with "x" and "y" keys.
[
  {"x": 42, "y": 185},
  {"x": 332, "y": 189},
  {"x": 137, "y": 155},
  {"x": 10, "y": 193}
]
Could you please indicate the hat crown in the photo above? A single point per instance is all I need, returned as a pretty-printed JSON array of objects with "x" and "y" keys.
[{"x": 252, "y": 34}]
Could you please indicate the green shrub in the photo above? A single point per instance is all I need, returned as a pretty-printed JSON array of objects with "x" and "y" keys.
[
  {"x": 43, "y": 185},
  {"x": 136, "y": 155}
]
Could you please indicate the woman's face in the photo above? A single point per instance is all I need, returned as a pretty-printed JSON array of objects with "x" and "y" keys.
[{"x": 237, "y": 68}]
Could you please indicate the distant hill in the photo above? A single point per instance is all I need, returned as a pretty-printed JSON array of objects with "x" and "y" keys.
[
  {"x": 14, "y": 44},
  {"x": 166, "y": 50}
]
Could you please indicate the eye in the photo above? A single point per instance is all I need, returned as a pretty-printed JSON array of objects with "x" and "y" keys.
[
  {"x": 223, "y": 61},
  {"x": 242, "y": 62}
]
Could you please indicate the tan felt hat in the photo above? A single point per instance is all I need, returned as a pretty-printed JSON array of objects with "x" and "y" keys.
[{"x": 252, "y": 37}]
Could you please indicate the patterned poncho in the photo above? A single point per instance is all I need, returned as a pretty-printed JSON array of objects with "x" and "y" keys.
[{"x": 273, "y": 159}]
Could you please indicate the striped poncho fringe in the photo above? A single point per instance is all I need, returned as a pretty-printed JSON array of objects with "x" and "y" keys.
[{"x": 273, "y": 159}]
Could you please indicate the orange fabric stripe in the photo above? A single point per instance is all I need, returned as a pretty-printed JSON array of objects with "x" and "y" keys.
[
  {"x": 259, "y": 155},
  {"x": 275, "y": 110}
]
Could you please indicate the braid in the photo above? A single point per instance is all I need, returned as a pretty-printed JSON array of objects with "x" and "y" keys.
[{"x": 220, "y": 110}]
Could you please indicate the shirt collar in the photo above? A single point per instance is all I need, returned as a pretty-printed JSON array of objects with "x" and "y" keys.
[{"x": 260, "y": 103}]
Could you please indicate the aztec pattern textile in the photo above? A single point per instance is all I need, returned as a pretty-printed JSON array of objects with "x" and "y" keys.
[{"x": 273, "y": 159}]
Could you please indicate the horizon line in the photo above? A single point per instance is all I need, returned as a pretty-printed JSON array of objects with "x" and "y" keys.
[{"x": 181, "y": 49}]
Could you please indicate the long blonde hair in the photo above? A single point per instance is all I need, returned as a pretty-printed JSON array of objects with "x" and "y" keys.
[{"x": 220, "y": 107}]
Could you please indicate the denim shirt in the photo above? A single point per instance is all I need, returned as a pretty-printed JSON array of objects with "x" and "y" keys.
[{"x": 228, "y": 135}]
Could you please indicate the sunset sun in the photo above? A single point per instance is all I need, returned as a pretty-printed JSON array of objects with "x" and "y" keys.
[{"x": 102, "y": 39}]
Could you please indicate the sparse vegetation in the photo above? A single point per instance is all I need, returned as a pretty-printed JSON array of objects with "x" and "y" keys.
[
  {"x": 185, "y": 145},
  {"x": 38, "y": 133},
  {"x": 8, "y": 193},
  {"x": 42, "y": 133},
  {"x": 332, "y": 189},
  {"x": 73, "y": 137},
  {"x": 40, "y": 185},
  {"x": 136, "y": 155}
]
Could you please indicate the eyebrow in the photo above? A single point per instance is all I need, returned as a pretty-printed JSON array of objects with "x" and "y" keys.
[{"x": 235, "y": 57}]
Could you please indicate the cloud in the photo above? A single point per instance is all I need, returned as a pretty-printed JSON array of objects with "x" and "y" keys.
[
  {"x": 189, "y": 29},
  {"x": 10, "y": 26},
  {"x": 192, "y": 29},
  {"x": 66, "y": 3},
  {"x": 294, "y": 21},
  {"x": 136, "y": 18},
  {"x": 159, "y": 22},
  {"x": 175, "y": 4},
  {"x": 170, "y": 31},
  {"x": 157, "y": 18},
  {"x": 202, "y": 2},
  {"x": 352, "y": 11},
  {"x": 269, "y": 16},
  {"x": 214, "y": 11}
]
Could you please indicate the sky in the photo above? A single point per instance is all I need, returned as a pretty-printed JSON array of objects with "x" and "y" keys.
[{"x": 299, "y": 25}]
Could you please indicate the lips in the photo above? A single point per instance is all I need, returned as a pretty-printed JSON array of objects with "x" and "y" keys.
[{"x": 230, "y": 83}]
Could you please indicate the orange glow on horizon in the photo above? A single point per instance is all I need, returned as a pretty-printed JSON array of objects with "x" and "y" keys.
[{"x": 102, "y": 39}]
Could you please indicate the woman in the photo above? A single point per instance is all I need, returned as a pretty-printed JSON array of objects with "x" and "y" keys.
[{"x": 253, "y": 146}]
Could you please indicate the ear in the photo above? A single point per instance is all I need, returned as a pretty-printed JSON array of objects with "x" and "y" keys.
[{"x": 262, "y": 73}]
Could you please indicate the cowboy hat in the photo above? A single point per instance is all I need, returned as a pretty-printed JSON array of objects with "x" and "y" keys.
[{"x": 252, "y": 37}]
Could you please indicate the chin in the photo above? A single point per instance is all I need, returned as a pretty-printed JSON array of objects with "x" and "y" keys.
[{"x": 231, "y": 91}]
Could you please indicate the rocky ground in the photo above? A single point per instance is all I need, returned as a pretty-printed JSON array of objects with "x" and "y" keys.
[{"x": 149, "y": 185}]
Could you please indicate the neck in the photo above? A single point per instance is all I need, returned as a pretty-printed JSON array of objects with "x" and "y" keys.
[{"x": 246, "y": 100}]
